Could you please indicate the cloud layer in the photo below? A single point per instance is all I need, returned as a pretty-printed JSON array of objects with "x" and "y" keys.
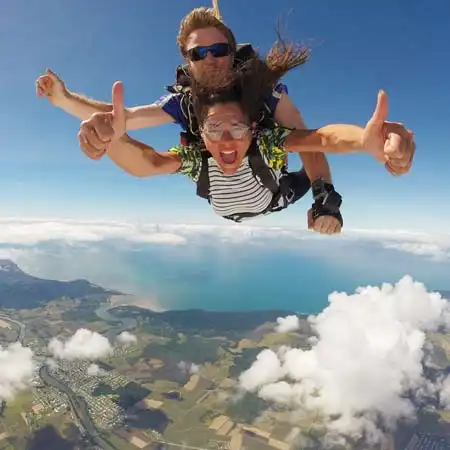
[{"x": 16, "y": 232}]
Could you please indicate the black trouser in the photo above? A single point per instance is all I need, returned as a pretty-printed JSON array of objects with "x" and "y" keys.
[{"x": 299, "y": 182}]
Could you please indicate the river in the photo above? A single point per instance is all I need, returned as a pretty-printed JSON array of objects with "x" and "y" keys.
[
  {"x": 125, "y": 323},
  {"x": 21, "y": 334}
]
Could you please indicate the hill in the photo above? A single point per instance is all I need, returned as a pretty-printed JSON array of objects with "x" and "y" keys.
[
  {"x": 204, "y": 322},
  {"x": 19, "y": 290}
]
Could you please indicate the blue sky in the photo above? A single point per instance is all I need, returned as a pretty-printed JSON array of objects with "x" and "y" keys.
[{"x": 358, "y": 47}]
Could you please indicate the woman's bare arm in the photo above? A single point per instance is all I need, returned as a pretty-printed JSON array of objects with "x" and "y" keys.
[
  {"x": 336, "y": 138},
  {"x": 141, "y": 160}
]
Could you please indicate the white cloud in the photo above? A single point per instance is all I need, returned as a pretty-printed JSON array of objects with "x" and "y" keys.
[
  {"x": 29, "y": 232},
  {"x": 368, "y": 354},
  {"x": 84, "y": 344},
  {"x": 188, "y": 367},
  {"x": 94, "y": 370},
  {"x": 17, "y": 366},
  {"x": 434, "y": 246},
  {"x": 287, "y": 324},
  {"x": 194, "y": 368},
  {"x": 126, "y": 338},
  {"x": 435, "y": 250},
  {"x": 16, "y": 232}
]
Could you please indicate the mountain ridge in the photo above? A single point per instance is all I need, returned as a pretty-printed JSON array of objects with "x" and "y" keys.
[{"x": 19, "y": 290}]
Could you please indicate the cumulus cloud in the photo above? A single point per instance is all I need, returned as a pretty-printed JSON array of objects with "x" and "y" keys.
[
  {"x": 84, "y": 344},
  {"x": 126, "y": 338},
  {"x": 17, "y": 367},
  {"x": 94, "y": 370},
  {"x": 287, "y": 324},
  {"x": 194, "y": 368},
  {"x": 367, "y": 357},
  {"x": 188, "y": 367}
]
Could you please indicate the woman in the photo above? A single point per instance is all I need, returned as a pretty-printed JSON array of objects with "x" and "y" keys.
[{"x": 227, "y": 110}]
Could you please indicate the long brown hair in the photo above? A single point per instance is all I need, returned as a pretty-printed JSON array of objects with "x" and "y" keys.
[{"x": 251, "y": 82}]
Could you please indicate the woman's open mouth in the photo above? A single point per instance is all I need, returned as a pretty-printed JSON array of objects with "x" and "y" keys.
[{"x": 228, "y": 157}]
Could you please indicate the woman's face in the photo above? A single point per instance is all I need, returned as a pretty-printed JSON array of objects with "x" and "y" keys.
[{"x": 227, "y": 135}]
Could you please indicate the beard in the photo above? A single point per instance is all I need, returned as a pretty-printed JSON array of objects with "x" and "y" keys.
[{"x": 214, "y": 78}]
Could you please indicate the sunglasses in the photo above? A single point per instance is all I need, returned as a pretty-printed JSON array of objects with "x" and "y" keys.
[
  {"x": 214, "y": 132},
  {"x": 218, "y": 50}
]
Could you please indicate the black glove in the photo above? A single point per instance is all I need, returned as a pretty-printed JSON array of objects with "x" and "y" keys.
[{"x": 326, "y": 201}]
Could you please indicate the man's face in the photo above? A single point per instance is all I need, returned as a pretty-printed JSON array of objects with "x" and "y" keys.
[{"x": 210, "y": 65}]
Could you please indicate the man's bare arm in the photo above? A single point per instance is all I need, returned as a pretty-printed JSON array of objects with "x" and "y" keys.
[
  {"x": 141, "y": 160},
  {"x": 316, "y": 164},
  {"x": 136, "y": 117}
]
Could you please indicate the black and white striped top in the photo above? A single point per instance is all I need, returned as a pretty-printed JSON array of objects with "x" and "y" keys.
[
  {"x": 238, "y": 193},
  {"x": 241, "y": 192}
]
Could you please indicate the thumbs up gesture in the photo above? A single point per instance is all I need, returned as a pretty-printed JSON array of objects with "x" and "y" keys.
[
  {"x": 102, "y": 129},
  {"x": 389, "y": 142}
]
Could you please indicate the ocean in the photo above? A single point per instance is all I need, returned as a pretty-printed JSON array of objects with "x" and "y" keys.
[
  {"x": 233, "y": 276},
  {"x": 246, "y": 277}
]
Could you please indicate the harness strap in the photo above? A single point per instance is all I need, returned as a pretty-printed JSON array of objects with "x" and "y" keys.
[
  {"x": 261, "y": 170},
  {"x": 203, "y": 178}
]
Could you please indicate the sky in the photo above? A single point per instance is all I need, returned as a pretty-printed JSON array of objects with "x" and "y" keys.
[
  {"x": 358, "y": 47},
  {"x": 104, "y": 221}
]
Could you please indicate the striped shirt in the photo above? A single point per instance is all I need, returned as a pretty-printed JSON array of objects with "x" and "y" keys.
[{"x": 241, "y": 192}]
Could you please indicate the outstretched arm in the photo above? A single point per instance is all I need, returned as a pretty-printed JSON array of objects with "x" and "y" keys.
[
  {"x": 137, "y": 117},
  {"x": 141, "y": 160},
  {"x": 336, "y": 138},
  {"x": 105, "y": 133},
  {"x": 388, "y": 142},
  {"x": 82, "y": 107}
]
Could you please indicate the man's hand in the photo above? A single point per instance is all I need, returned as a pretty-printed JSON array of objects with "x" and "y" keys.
[
  {"x": 389, "y": 142},
  {"x": 103, "y": 129},
  {"x": 51, "y": 87},
  {"x": 324, "y": 224}
]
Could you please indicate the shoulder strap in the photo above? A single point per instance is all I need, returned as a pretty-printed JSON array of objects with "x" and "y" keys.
[
  {"x": 203, "y": 179},
  {"x": 261, "y": 169},
  {"x": 243, "y": 53},
  {"x": 182, "y": 80},
  {"x": 187, "y": 109}
]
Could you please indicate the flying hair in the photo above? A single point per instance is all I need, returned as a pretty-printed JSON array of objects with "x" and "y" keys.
[{"x": 251, "y": 82}]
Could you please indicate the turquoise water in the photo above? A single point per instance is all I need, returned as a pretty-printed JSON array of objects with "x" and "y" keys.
[
  {"x": 249, "y": 277},
  {"x": 296, "y": 276}
]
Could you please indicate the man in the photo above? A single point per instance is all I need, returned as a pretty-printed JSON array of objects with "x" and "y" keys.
[{"x": 201, "y": 27}]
